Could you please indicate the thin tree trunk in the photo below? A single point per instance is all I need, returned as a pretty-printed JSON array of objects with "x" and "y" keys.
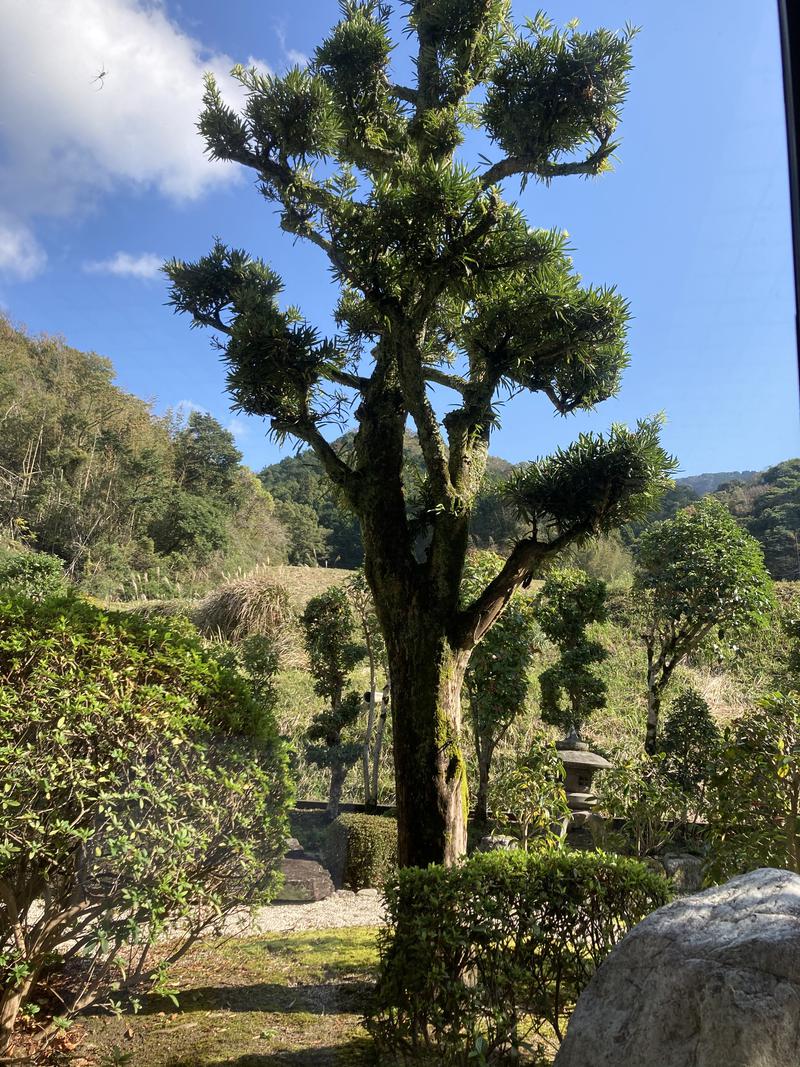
[
  {"x": 378, "y": 749},
  {"x": 653, "y": 713},
  {"x": 367, "y": 747},
  {"x": 338, "y": 775},
  {"x": 484, "y": 750}
]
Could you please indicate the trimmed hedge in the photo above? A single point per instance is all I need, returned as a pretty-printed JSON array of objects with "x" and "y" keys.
[
  {"x": 361, "y": 850},
  {"x": 486, "y": 959}
]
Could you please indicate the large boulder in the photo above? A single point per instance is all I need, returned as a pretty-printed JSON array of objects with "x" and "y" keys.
[{"x": 711, "y": 980}]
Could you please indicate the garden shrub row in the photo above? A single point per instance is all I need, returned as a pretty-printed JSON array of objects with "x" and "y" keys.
[
  {"x": 484, "y": 960},
  {"x": 361, "y": 850}
]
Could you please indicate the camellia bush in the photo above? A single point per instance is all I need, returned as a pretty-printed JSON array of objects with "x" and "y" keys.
[
  {"x": 143, "y": 793},
  {"x": 483, "y": 961},
  {"x": 754, "y": 793}
]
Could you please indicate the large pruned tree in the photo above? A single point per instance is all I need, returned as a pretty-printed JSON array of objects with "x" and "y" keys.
[{"x": 444, "y": 285}]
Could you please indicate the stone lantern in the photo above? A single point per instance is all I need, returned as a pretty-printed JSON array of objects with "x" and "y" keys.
[{"x": 580, "y": 765}]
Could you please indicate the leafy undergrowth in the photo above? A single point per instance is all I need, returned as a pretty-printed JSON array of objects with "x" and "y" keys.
[{"x": 281, "y": 1000}]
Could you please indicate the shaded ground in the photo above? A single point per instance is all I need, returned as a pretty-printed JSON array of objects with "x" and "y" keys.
[{"x": 282, "y": 1000}]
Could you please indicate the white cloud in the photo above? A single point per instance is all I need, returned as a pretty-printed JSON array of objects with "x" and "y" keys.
[
  {"x": 297, "y": 59},
  {"x": 69, "y": 137},
  {"x": 20, "y": 254},
  {"x": 147, "y": 265},
  {"x": 184, "y": 407},
  {"x": 238, "y": 427}
]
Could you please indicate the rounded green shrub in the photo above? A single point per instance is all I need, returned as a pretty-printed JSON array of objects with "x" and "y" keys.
[
  {"x": 482, "y": 960},
  {"x": 361, "y": 850},
  {"x": 37, "y": 575},
  {"x": 141, "y": 786}
]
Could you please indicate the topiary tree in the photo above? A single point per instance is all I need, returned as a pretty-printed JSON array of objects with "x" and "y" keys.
[
  {"x": 364, "y": 607},
  {"x": 443, "y": 285},
  {"x": 142, "y": 784},
  {"x": 497, "y": 680},
  {"x": 754, "y": 794},
  {"x": 569, "y": 602},
  {"x": 329, "y": 631},
  {"x": 700, "y": 577},
  {"x": 689, "y": 743}
]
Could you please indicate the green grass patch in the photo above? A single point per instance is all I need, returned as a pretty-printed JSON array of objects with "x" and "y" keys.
[{"x": 294, "y": 1000}]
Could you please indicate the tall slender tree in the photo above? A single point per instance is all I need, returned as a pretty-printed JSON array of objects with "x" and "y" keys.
[{"x": 443, "y": 284}]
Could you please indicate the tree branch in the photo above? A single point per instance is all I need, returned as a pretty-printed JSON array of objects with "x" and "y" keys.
[
  {"x": 351, "y": 381},
  {"x": 403, "y": 92},
  {"x": 472, "y": 623},
  {"x": 337, "y": 470},
  {"x": 544, "y": 169},
  {"x": 451, "y": 381}
]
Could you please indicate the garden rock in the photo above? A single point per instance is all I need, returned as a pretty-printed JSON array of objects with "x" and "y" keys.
[
  {"x": 684, "y": 871},
  {"x": 710, "y": 979},
  {"x": 496, "y": 843},
  {"x": 304, "y": 880}
]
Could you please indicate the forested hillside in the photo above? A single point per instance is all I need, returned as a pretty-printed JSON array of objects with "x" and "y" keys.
[
  {"x": 321, "y": 529},
  {"x": 140, "y": 504},
  {"x": 132, "y": 502}
]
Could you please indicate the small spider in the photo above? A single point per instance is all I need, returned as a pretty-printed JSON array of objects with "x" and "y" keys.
[{"x": 100, "y": 78}]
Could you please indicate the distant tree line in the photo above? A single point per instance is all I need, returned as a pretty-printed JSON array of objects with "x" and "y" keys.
[
  {"x": 133, "y": 503},
  {"x": 136, "y": 503}
]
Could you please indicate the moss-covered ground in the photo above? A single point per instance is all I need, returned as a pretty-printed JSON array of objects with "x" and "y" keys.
[{"x": 282, "y": 1000}]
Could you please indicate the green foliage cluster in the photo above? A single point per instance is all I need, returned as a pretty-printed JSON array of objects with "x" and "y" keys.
[
  {"x": 690, "y": 743},
  {"x": 569, "y": 602},
  {"x": 768, "y": 507},
  {"x": 766, "y": 504},
  {"x": 90, "y": 474},
  {"x": 141, "y": 783},
  {"x": 498, "y": 679},
  {"x": 754, "y": 794},
  {"x": 35, "y": 575},
  {"x": 529, "y": 796},
  {"x": 330, "y": 638},
  {"x": 361, "y": 850},
  {"x": 701, "y": 580},
  {"x": 477, "y": 961},
  {"x": 649, "y": 805},
  {"x": 527, "y": 112}
]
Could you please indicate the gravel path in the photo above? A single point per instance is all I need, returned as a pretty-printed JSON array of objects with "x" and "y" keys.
[{"x": 343, "y": 908}]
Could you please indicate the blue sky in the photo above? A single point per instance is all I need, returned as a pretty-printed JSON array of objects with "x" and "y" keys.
[{"x": 100, "y": 181}]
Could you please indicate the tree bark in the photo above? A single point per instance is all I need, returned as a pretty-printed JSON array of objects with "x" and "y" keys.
[
  {"x": 484, "y": 752},
  {"x": 338, "y": 775},
  {"x": 431, "y": 780},
  {"x": 653, "y": 713}
]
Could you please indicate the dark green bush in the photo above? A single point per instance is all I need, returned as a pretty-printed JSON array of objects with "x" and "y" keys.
[
  {"x": 361, "y": 850},
  {"x": 141, "y": 784},
  {"x": 37, "y": 575},
  {"x": 483, "y": 960}
]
